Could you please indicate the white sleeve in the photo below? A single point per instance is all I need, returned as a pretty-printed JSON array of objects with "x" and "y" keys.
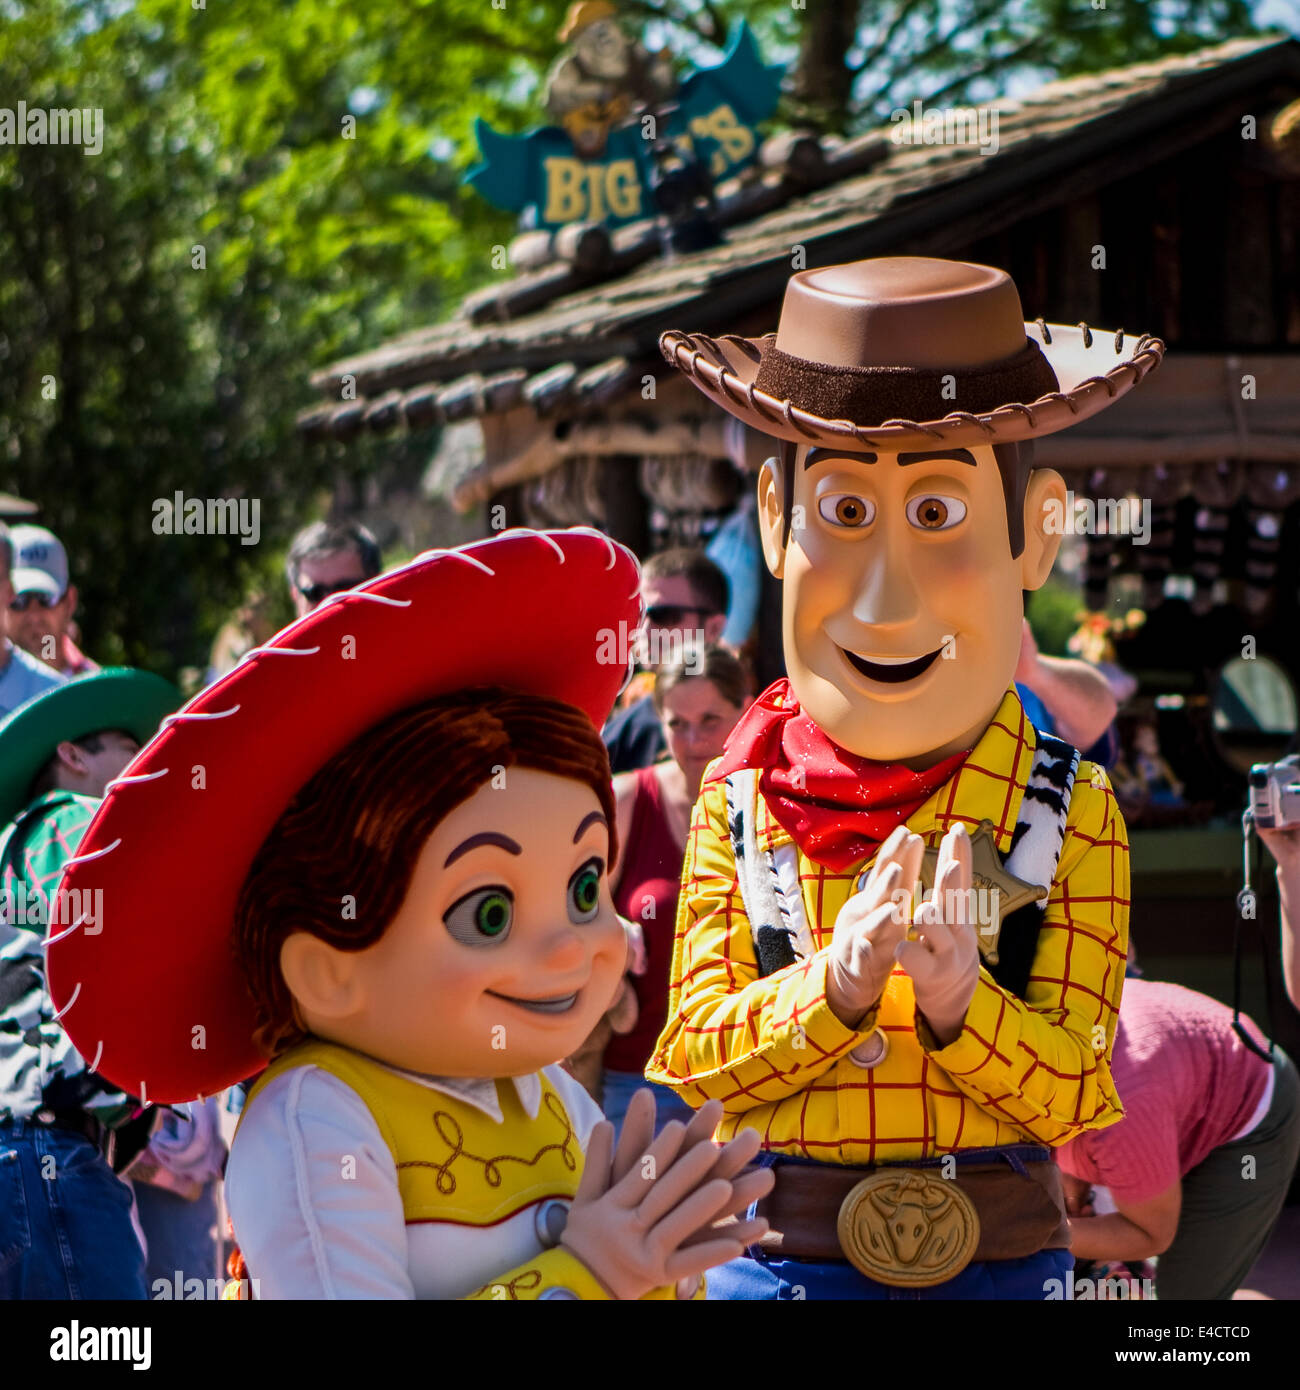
[
  {"x": 313, "y": 1196},
  {"x": 583, "y": 1111}
]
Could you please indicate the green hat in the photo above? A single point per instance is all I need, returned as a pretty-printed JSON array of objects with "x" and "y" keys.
[{"x": 118, "y": 697}]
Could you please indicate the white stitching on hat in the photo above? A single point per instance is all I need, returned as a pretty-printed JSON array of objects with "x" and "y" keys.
[
  {"x": 181, "y": 715},
  {"x": 58, "y": 1013},
  {"x": 370, "y": 598},
  {"x": 609, "y": 544},
  {"x": 94, "y": 854},
  {"x": 135, "y": 777},
  {"x": 279, "y": 651},
  {"x": 67, "y": 931}
]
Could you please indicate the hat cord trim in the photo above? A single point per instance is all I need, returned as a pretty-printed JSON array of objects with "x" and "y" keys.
[
  {"x": 1148, "y": 347},
  {"x": 966, "y": 418}
]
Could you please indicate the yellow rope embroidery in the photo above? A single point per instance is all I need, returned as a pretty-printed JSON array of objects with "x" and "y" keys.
[
  {"x": 528, "y": 1280},
  {"x": 450, "y": 1132}
]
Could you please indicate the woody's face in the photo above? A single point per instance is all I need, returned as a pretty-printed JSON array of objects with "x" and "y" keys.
[{"x": 902, "y": 601}]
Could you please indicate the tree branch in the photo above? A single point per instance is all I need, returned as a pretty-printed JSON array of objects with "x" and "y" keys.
[{"x": 905, "y": 11}]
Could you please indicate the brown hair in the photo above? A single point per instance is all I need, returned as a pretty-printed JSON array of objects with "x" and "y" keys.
[
  {"x": 707, "y": 581},
  {"x": 710, "y": 663},
  {"x": 1015, "y": 462},
  {"x": 355, "y": 830}
]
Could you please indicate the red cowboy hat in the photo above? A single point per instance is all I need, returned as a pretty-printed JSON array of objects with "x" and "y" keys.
[{"x": 148, "y": 987}]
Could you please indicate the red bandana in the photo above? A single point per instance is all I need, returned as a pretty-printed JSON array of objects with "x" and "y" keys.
[{"x": 843, "y": 807}]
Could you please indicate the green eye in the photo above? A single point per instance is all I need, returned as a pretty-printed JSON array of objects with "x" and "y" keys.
[
  {"x": 481, "y": 916},
  {"x": 584, "y": 891}
]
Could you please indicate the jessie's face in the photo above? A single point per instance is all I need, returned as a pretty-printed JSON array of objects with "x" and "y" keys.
[
  {"x": 507, "y": 949},
  {"x": 902, "y": 601}
]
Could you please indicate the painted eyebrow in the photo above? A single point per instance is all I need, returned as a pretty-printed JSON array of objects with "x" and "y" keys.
[
  {"x": 595, "y": 818},
  {"x": 817, "y": 455},
  {"x": 485, "y": 837},
  {"x": 951, "y": 455}
]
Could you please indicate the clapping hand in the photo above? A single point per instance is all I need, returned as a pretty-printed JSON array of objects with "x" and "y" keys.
[
  {"x": 941, "y": 953},
  {"x": 869, "y": 928},
  {"x": 647, "y": 1214}
]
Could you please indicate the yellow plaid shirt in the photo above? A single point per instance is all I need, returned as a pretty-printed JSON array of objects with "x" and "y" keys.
[{"x": 770, "y": 1049}]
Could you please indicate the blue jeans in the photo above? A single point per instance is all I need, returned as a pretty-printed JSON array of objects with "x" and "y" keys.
[
  {"x": 789, "y": 1280},
  {"x": 65, "y": 1219},
  {"x": 181, "y": 1235},
  {"x": 618, "y": 1089}
]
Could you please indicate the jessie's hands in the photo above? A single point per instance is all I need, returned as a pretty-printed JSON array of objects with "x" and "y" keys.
[
  {"x": 942, "y": 956},
  {"x": 869, "y": 928},
  {"x": 645, "y": 1216}
]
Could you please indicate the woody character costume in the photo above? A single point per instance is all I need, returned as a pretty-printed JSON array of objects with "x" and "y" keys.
[
  {"x": 909, "y": 1054},
  {"x": 441, "y": 937}
]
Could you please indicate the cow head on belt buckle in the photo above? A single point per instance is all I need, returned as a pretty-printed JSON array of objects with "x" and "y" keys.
[{"x": 907, "y": 1228}]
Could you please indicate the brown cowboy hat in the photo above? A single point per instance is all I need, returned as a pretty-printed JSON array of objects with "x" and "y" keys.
[{"x": 906, "y": 352}]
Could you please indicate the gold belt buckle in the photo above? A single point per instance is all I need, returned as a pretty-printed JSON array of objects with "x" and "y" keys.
[{"x": 907, "y": 1228}]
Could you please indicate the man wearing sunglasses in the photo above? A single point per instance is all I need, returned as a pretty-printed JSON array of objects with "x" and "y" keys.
[
  {"x": 685, "y": 596},
  {"x": 326, "y": 558},
  {"x": 22, "y": 677},
  {"x": 43, "y": 602}
]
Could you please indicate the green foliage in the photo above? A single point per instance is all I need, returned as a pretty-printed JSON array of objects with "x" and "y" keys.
[
  {"x": 226, "y": 128},
  {"x": 1053, "y": 614}
]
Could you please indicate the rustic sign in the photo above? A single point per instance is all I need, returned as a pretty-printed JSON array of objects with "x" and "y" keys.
[{"x": 714, "y": 115}]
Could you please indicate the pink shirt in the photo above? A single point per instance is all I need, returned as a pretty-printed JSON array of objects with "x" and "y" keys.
[{"x": 1188, "y": 1084}]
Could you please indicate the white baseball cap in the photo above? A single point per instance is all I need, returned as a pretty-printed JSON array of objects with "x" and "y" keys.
[{"x": 40, "y": 562}]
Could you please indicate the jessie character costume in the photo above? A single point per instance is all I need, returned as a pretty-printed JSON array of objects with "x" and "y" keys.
[
  {"x": 386, "y": 875},
  {"x": 907, "y": 1164}
]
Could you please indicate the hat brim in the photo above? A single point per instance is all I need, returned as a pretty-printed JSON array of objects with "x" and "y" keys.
[
  {"x": 1094, "y": 368},
  {"x": 118, "y": 697},
  {"x": 26, "y": 581},
  {"x": 156, "y": 996}
]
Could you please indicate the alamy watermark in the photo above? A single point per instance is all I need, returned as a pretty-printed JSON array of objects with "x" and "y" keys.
[
  {"x": 651, "y": 647},
  {"x": 1083, "y": 1289},
  {"x": 39, "y": 125},
  {"x": 179, "y": 1289},
  {"x": 23, "y": 907},
  {"x": 1099, "y": 516},
  {"x": 208, "y": 516},
  {"x": 945, "y": 125}
]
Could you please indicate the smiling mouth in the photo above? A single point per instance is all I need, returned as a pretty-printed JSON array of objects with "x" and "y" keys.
[
  {"x": 891, "y": 671},
  {"x": 560, "y": 1005}
]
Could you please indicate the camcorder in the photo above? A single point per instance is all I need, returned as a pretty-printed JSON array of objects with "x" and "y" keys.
[{"x": 1275, "y": 794}]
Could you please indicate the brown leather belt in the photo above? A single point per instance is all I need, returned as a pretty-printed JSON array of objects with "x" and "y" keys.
[{"x": 913, "y": 1227}]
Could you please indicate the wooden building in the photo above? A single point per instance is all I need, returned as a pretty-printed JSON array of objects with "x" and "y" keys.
[{"x": 1161, "y": 197}]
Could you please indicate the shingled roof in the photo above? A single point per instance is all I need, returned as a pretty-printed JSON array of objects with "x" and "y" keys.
[{"x": 562, "y": 338}]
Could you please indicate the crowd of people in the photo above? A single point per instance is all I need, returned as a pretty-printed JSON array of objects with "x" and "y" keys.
[{"x": 112, "y": 1197}]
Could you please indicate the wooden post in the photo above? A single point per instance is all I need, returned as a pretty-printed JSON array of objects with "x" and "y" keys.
[
  {"x": 1248, "y": 297},
  {"x": 627, "y": 517}
]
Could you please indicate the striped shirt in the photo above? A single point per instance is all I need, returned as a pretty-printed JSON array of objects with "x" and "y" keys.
[{"x": 39, "y": 1067}]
